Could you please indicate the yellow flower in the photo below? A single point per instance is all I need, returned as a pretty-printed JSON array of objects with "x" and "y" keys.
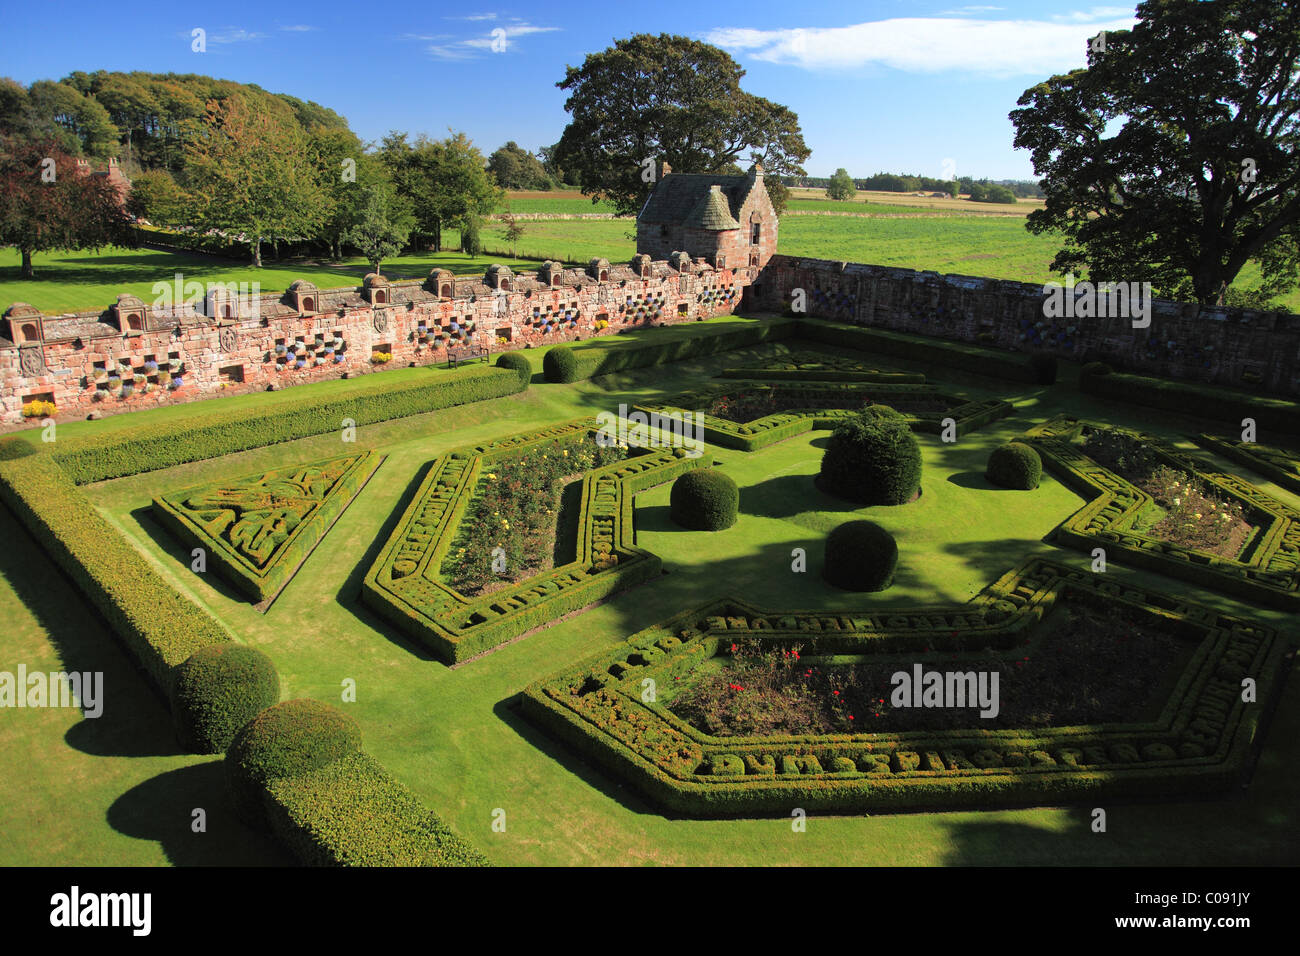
[
  {"x": 565, "y": 453},
  {"x": 1197, "y": 515},
  {"x": 492, "y": 476}
]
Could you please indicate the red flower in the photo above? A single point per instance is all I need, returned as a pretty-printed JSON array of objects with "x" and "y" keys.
[
  {"x": 837, "y": 693},
  {"x": 850, "y": 716}
]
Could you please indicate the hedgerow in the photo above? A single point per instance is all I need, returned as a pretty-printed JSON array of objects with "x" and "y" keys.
[
  {"x": 150, "y": 447},
  {"x": 1201, "y": 401},
  {"x": 560, "y": 365},
  {"x": 1204, "y": 739},
  {"x": 261, "y": 580},
  {"x": 286, "y": 740},
  {"x": 994, "y": 363},
  {"x": 404, "y": 584},
  {"x": 218, "y": 690},
  {"x": 1270, "y": 573},
  {"x": 604, "y": 356},
  {"x": 159, "y": 627},
  {"x": 519, "y": 363},
  {"x": 351, "y": 812}
]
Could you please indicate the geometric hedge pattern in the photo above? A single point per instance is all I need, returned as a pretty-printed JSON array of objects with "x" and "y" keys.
[
  {"x": 404, "y": 583},
  {"x": 1203, "y": 739},
  {"x": 1277, "y": 464},
  {"x": 750, "y": 436},
  {"x": 258, "y": 529},
  {"x": 1267, "y": 572}
]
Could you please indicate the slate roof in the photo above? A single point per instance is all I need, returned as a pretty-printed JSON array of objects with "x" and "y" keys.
[{"x": 678, "y": 195}]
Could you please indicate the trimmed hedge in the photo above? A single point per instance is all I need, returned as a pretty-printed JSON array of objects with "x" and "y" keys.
[
  {"x": 351, "y": 812},
  {"x": 518, "y": 362},
  {"x": 1204, "y": 740},
  {"x": 1014, "y": 465},
  {"x": 882, "y": 411},
  {"x": 160, "y": 628},
  {"x": 1201, "y": 401},
  {"x": 559, "y": 365},
  {"x": 704, "y": 500},
  {"x": 994, "y": 363},
  {"x": 605, "y": 356},
  {"x": 261, "y": 583},
  {"x": 875, "y": 461},
  {"x": 162, "y": 445},
  {"x": 860, "y": 556},
  {"x": 219, "y": 689},
  {"x": 285, "y": 740}
]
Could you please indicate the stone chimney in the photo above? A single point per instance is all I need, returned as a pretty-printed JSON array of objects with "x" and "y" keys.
[{"x": 756, "y": 171}]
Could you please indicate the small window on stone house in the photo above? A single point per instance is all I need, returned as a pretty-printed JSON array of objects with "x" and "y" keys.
[{"x": 756, "y": 232}]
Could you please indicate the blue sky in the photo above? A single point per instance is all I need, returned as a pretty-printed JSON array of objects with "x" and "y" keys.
[{"x": 896, "y": 85}]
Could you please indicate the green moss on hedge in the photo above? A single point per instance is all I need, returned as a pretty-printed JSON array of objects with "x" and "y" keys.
[
  {"x": 860, "y": 556},
  {"x": 704, "y": 500},
  {"x": 219, "y": 689},
  {"x": 1014, "y": 465},
  {"x": 286, "y": 740}
]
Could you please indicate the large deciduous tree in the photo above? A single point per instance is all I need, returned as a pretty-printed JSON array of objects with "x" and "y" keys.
[
  {"x": 251, "y": 174},
  {"x": 383, "y": 223},
  {"x": 841, "y": 185},
  {"x": 47, "y": 202},
  {"x": 516, "y": 168},
  {"x": 446, "y": 181},
  {"x": 1174, "y": 158},
  {"x": 650, "y": 99}
]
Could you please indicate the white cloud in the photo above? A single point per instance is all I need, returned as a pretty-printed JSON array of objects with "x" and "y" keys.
[
  {"x": 474, "y": 16},
  {"x": 925, "y": 45},
  {"x": 235, "y": 35},
  {"x": 299, "y": 28},
  {"x": 500, "y": 40},
  {"x": 1095, "y": 14}
]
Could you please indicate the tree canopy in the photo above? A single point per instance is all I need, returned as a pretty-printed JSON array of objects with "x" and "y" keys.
[
  {"x": 650, "y": 99},
  {"x": 516, "y": 168},
  {"x": 841, "y": 185},
  {"x": 1173, "y": 157}
]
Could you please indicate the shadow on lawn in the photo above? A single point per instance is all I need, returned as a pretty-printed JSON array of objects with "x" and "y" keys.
[
  {"x": 163, "y": 808},
  {"x": 135, "y": 721},
  {"x": 181, "y": 553}
]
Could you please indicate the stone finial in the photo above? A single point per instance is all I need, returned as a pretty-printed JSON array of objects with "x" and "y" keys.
[
  {"x": 129, "y": 312},
  {"x": 305, "y": 295},
  {"x": 499, "y": 277},
  {"x": 598, "y": 269},
  {"x": 641, "y": 265}
]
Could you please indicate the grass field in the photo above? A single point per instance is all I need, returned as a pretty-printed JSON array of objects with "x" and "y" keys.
[
  {"x": 97, "y": 794},
  {"x": 978, "y": 244}
]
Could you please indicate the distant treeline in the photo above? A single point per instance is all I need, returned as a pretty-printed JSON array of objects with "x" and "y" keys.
[{"x": 978, "y": 189}]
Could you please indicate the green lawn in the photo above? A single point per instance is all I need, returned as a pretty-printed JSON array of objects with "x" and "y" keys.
[
  {"x": 452, "y": 734},
  {"x": 979, "y": 245}
]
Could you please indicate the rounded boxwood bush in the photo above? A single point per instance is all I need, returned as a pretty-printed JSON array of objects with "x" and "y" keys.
[
  {"x": 285, "y": 740},
  {"x": 218, "y": 689},
  {"x": 860, "y": 556},
  {"x": 560, "y": 365},
  {"x": 1014, "y": 465},
  {"x": 704, "y": 500},
  {"x": 517, "y": 361},
  {"x": 1095, "y": 368},
  {"x": 882, "y": 411},
  {"x": 872, "y": 460}
]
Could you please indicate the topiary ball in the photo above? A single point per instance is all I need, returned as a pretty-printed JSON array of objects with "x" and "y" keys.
[
  {"x": 1095, "y": 368},
  {"x": 882, "y": 411},
  {"x": 872, "y": 460},
  {"x": 285, "y": 740},
  {"x": 860, "y": 556},
  {"x": 704, "y": 500},
  {"x": 519, "y": 362},
  {"x": 560, "y": 365},
  {"x": 1014, "y": 465},
  {"x": 217, "y": 690}
]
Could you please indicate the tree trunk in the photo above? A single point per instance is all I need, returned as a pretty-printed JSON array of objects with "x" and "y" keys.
[
  {"x": 257, "y": 253},
  {"x": 437, "y": 236},
  {"x": 27, "y": 265}
]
